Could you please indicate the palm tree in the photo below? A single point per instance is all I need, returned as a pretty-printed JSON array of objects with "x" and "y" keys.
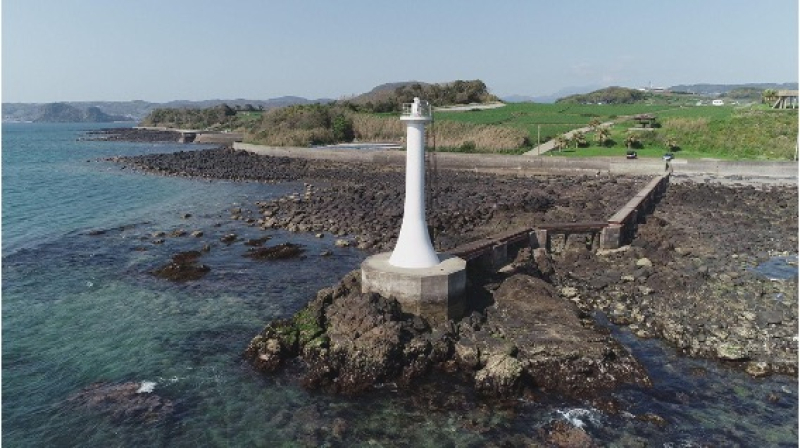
[
  {"x": 769, "y": 96},
  {"x": 560, "y": 143},
  {"x": 579, "y": 139},
  {"x": 631, "y": 140},
  {"x": 602, "y": 135},
  {"x": 672, "y": 144}
]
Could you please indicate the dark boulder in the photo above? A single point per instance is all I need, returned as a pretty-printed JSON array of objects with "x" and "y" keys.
[
  {"x": 351, "y": 342},
  {"x": 183, "y": 267},
  {"x": 279, "y": 252},
  {"x": 127, "y": 402},
  {"x": 553, "y": 346}
]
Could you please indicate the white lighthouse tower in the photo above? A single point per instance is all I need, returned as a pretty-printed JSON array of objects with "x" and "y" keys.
[
  {"x": 425, "y": 283},
  {"x": 414, "y": 248}
]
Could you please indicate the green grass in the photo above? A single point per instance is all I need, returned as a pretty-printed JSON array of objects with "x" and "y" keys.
[
  {"x": 546, "y": 121},
  {"x": 723, "y": 132}
]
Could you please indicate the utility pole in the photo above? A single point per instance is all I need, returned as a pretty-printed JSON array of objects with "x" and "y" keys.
[{"x": 539, "y": 138}]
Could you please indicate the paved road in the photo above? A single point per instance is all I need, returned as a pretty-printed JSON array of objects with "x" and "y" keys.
[{"x": 551, "y": 144}]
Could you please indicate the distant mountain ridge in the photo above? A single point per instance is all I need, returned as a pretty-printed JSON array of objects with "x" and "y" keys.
[
  {"x": 553, "y": 97},
  {"x": 127, "y": 110},
  {"x": 101, "y": 111},
  {"x": 700, "y": 89},
  {"x": 65, "y": 113},
  {"x": 720, "y": 89}
]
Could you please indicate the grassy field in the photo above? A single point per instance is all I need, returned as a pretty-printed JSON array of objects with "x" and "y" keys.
[
  {"x": 726, "y": 132},
  {"x": 546, "y": 121}
]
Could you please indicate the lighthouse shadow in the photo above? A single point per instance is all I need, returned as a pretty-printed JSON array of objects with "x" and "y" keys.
[
  {"x": 483, "y": 279},
  {"x": 480, "y": 287}
]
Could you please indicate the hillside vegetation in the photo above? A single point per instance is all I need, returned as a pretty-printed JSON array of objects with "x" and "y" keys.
[
  {"x": 754, "y": 132},
  {"x": 609, "y": 95},
  {"x": 389, "y": 97},
  {"x": 342, "y": 121}
]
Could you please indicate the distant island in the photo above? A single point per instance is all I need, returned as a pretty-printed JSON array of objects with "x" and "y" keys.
[
  {"x": 109, "y": 111},
  {"x": 64, "y": 113}
]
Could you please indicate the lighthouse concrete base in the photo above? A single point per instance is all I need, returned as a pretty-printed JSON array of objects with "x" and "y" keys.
[{"x": 435, "y": 293}]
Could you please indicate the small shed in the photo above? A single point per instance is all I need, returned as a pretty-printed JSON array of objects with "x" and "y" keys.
[
  {"x": 787, "y": 99},
  {"x": 645, "y": 120}
]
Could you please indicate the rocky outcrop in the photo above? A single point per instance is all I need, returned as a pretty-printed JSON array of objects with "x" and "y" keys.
[
  {"x": 133, "y": 135},
  {"x": 552, "y": 345},
  {"x": 183, "y": 267},
  {"x": 127, "y": 402},
  {"x": 350, "y": 342},
  {"x": 277, "y": 252}
]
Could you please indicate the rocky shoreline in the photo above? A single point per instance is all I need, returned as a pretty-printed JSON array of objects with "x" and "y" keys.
[
  {"x": 133, "y": 135},
  {"x": 365, "y": 201},
  {"x": 688, "y": 277}
]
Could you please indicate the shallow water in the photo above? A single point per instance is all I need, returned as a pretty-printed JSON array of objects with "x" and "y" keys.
[
  {"x": 81, "y": 307},
  {"x": 778, "y": 268}
]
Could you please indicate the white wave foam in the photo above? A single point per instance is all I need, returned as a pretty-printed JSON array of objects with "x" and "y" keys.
[
  {"x": 578, "y": 417},
  {"x": 146, "y": 387}
]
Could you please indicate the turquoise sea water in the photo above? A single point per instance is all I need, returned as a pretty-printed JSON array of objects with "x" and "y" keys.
[{"x": 80, "y": 307}]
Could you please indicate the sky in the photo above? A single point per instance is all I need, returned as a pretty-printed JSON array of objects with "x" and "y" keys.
[{"x": 163, "y": 50}]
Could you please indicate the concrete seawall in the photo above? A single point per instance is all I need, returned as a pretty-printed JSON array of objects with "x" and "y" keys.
[{"x": 784, "y": 171}]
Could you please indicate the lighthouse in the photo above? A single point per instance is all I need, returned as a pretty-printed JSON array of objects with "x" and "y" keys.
[
  {"x": 423, "y": 282},
  {"x": 414, "y": 248}
]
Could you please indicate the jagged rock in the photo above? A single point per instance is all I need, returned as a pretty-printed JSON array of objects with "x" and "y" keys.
[
  {"x": 730, "y": 351},
  {"x": 467, "y": 354},
  {"x": 758, "y": 369},
  {"x": 351, "y": 342},
  {"x": 554, "y": 348},
  {"x": 183, "y": 267},
  {"x": 543, "y": 262},
  {"x": 279, "y": 252},
  {"x": 126, "y": 402},
  {"x": 563, "y": 435},
  {"x": 500, "y": 376}
]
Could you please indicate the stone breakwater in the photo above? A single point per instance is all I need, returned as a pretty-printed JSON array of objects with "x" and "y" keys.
[{"x": 687, "y": 277}]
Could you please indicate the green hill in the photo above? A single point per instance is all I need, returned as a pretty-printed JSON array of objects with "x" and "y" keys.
[
  {"x": 609, "y": 95},
  {"x": 389, "y": 97},
  {"x": 64, "y": 113}
]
